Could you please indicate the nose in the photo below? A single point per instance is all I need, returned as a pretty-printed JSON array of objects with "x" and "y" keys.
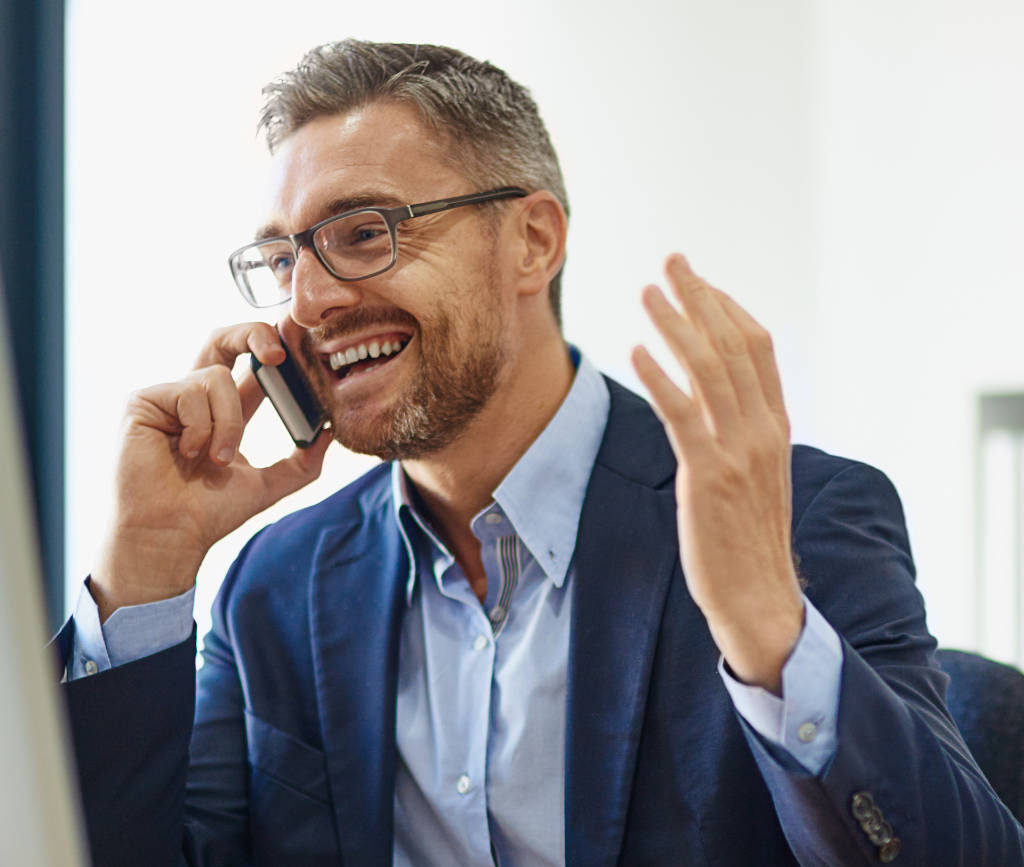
[{"x": 316, "y": 293}]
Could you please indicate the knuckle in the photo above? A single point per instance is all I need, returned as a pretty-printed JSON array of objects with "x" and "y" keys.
[
  {"x": 763, "y": 450},
  {"x": 198, "y": 427},
  {"x": 730, "y": 475},
  {"x": 677, "y": 412},
  {"x": 191, "y": 389},
  {"x": 732, "y": 343},
  {"x": 699, "y": 291},
  {"x": 218, "y": 376},
  {"x": 218, "y": 338},
  {"x": 136, "y": 400},
  {"x": 762, "y": 341},
  {"x": 707, "y": 367},
  {"x": 228, "y": 427}
]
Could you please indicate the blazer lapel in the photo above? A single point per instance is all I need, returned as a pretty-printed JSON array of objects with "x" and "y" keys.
[
  {"x": 355, "y": 619},
  {"x": 625, "y": 556}
]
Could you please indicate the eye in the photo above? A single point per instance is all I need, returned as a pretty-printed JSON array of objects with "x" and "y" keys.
[
  {"x": 367, "y": 232},
  {"x": 281, "y": 263}
]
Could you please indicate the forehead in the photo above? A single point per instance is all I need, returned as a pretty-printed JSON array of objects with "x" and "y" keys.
[{"x": 381, "y": 150}]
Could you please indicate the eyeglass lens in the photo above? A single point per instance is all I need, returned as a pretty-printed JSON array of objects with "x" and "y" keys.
[{"x": 354, "y": 246}]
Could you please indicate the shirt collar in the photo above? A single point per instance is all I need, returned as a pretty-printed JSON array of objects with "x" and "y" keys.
[{"x": 542, "y": 495}]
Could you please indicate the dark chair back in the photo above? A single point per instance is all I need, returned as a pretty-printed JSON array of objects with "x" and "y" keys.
[{"x": 986, "y": 699}]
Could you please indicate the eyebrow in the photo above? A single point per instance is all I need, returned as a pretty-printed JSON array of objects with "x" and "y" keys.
[{"x": 368, "y": 199}]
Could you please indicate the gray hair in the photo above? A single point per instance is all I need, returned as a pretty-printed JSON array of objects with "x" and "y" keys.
[{"x": 490, "y": 123}]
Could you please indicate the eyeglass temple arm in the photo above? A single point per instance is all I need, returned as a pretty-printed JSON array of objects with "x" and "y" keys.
[{"x": 458, "y": 201}]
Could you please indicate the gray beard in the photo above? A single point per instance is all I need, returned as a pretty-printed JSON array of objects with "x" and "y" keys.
[{"x": 450, "y": 388}]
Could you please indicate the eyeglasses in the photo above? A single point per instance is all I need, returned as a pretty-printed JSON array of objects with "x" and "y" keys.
[{"x": 351, "y": 246}]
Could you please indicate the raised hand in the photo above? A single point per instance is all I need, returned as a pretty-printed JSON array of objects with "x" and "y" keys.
[
  {"x": 181, "y": 482},
  {"x": 733, "y": 488}
]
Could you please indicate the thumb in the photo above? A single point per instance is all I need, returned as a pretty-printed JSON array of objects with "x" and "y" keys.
[{"x": 293, "y": 473}]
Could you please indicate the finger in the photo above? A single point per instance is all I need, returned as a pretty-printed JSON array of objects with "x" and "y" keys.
[
  {"x": 296, "y": 471},
  {"x": 250, "y": 395},
  {"x": 225, "y": 412},
  {"x": 762, "y": 352},
  {"x": 680, "y": 415},
  {"x": 707, "y": 372},
  {"x": 226, "y": 344},
  {"x": 192, "y": 409},
  {"x": 703, "y": 305}
]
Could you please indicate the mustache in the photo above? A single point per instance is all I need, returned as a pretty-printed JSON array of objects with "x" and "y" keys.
[{"x": 355, "y": 320}]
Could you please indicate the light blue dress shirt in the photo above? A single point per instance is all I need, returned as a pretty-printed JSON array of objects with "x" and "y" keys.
[{"x": 481, "y": 709}]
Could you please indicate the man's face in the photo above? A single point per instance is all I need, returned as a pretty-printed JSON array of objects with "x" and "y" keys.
[{"x": 428, "y": 336}]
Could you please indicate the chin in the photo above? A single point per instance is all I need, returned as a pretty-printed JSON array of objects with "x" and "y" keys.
[{"x": 409, "y": 431}]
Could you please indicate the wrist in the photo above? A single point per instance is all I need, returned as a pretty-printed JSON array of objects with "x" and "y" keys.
[
  {"x": 757, "y": 646},
  {"x": 135, "y": 568}
]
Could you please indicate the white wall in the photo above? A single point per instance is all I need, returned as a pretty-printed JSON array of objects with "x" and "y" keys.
[
  {"x": 849, "y": 170},
  {"x": 681, "y": 125},
  {"x": 920, "y": 291}
]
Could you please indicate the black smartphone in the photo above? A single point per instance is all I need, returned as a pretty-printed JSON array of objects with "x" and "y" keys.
[{"x": 290, "y": 394}]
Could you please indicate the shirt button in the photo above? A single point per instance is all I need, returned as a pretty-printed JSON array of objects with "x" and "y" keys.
[
  {"x": 497, "y": 612},
  {"x": 480, "y": 643},
  {"x": 493, "y": 518},
  {"x": 90, "y": 667},
  {"x": 462, "y": 786},
  {"x": 807, "y": 732}
]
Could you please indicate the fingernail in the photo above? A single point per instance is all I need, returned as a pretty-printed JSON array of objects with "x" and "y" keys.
[{"x": 225, "y": 455}]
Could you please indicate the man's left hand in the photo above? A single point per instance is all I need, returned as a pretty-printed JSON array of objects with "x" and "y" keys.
[{"x": 733, "y": 486}]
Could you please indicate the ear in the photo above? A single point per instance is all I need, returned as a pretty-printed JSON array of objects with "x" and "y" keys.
[{"x": 541, "y": 229}]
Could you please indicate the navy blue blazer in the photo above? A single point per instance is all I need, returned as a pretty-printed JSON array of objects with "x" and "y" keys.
[{"x": 292, "y": 755}]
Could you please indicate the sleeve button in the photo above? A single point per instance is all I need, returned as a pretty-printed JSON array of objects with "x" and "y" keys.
[
  {"x": 883, "y": 835},
  {"x": 889, "y": 851},
  {"x": 873, "y": 823},
  {"x": 862, "y": 805}
]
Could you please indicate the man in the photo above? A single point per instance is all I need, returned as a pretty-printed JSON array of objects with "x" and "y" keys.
[{"x": 553, "y": 628}]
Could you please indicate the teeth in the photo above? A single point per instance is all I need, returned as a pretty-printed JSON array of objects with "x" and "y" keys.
[{"x": 358, "y": 353}]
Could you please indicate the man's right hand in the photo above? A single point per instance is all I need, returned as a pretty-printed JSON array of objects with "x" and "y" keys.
[{"x": 181, "y": 482}]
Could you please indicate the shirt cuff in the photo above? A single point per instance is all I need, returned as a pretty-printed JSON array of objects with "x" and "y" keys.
[
  {"x": 130, "y": 633},
  {"x": 803, "y": 721}
]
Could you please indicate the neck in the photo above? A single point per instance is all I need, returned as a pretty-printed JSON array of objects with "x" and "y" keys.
[{"x": 459, "y": 481}]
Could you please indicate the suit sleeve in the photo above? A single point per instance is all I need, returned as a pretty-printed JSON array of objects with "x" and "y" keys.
[
  {"x": 130, "y": 729},
  {"x": 901, "y": 786},
  {"x": 161, "y": 783}
]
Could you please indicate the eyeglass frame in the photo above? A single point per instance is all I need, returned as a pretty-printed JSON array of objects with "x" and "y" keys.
[{"x": 391, "y": 216}]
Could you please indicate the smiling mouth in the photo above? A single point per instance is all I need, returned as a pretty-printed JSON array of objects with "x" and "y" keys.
[{"x": 364, "y": 357}]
